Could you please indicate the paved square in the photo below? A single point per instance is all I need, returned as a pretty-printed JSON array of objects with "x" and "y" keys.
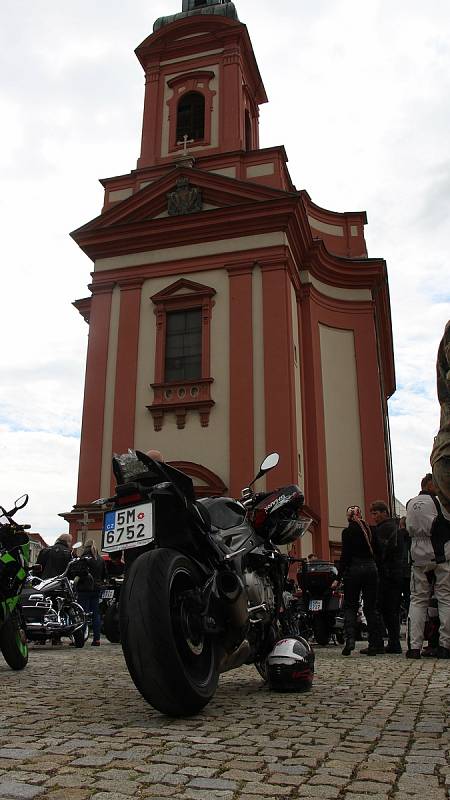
[{"x": 73, "y": 727}]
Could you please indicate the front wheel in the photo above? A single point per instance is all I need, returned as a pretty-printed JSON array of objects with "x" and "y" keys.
[
  {"x": 111, "y": 627},
  {"x": 79, "y": 636},
  {"x": 13, "y": 641},
  {"x": 171, "y": 660}
]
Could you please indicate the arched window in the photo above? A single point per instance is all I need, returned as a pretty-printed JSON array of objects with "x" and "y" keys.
[{"x": 191, "y": 116}]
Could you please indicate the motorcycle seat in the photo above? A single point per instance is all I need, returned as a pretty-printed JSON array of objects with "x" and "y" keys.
[{"x": 26, "y": 592}]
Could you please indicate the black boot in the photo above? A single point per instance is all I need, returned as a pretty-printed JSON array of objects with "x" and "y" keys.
[
  {"x": 349, "y": 646},
  {"x": 393, "y": 647},
  {"x": 374, "y": 649}
]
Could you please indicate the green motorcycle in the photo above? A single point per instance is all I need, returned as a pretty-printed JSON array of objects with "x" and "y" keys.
[{"x": 14, "y": 558}]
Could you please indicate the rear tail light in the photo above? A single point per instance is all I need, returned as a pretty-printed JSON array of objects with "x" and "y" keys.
[{"x": 128, "y": 499}]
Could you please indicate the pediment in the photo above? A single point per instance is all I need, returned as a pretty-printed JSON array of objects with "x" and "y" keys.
[
  {"x": 152, "y": 203},
  {"x": 183, "y": 287}
]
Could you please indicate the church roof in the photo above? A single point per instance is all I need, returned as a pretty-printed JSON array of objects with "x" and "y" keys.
[{"x": 223, "y": 8}]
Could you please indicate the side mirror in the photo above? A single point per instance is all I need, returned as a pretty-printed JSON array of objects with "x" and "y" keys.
[
  {"x": 269, "y": 463},
  {"x": 21, "y": 502}
]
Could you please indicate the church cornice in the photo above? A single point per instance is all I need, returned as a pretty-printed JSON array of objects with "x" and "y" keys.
[
  {"x": 204, "y": 163},
  {"x": 327, "y": 213},
  {"x": 239, "y": 219},
  {"x": 250, "y": 209}
]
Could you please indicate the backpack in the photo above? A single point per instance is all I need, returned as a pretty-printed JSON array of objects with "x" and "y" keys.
[
  {"x": 440, "y": 533},
  {"x": 79, "y": 568}
]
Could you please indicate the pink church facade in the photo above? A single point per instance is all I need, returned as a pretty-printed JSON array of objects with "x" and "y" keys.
[{"x": 229, "y": 315}]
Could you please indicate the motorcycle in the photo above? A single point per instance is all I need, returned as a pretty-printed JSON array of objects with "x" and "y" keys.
[
  {"x": 50, "y": 610},
  {"x": 206, "y": 593},
  {"x": 14, "y": 558},
  {"x": 109, "y": 609},
  {"x": 319, "y": 606}
]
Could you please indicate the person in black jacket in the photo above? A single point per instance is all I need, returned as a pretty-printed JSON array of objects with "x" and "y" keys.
[
  {"x": 358, "y": 569},
  {"x": 90, "y": 571},
  {"x": 114, "y": 564},
  {"x": 389, "y": 551},
  {"x": 54, "y": 559}
]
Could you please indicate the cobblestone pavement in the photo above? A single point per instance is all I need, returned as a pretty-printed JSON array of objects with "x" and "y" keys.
[{"x": 73, "y": 727}]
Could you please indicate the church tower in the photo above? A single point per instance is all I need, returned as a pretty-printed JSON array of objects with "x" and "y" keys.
[{"x": 229, "y": 315}]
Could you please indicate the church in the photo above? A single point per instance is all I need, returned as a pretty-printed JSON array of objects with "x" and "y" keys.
[{"x": 229, "y": 315}]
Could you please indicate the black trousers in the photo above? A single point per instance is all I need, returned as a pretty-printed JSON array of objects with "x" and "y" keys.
[
  {"x": 362, "y": 578},
  {"x": 406, "y": 592},
  {"x": 389, "y": 600}
]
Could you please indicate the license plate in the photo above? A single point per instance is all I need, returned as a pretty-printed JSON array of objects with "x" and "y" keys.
[
  {"x": 315, "y": 605},
  {"x": 107, "y": 594},
  {"x": 128, "y": 527}
]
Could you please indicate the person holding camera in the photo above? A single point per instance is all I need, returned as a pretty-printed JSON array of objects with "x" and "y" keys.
[
  {"x": 90, "y": 573},
  {"x": 359, "y": 572}
]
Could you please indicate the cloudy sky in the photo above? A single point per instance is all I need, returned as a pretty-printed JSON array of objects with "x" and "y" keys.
[{"x": 359, "y": 95}]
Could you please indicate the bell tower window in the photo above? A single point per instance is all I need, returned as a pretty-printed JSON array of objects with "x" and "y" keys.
[
  {"x": 192, "y": 110},
  {"x": 191, "y": 116}
]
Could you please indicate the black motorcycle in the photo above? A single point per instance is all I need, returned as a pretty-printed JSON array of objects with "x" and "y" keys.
[
  {"x": 205, "y": 594},
  {"x": 319, "y": 606},
  {"x": 109, "y": 609},
  {"x": 51, "y": 611}
]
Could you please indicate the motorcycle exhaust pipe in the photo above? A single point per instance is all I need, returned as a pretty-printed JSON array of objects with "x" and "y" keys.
[
  {"x": 237, "y": 658},
  {"x": 231, "y": 591}
]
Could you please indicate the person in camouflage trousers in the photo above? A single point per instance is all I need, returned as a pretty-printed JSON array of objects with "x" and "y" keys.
[{"x": 440, "y": 456}]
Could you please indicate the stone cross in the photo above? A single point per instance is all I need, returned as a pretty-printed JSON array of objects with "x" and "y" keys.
[
  {"x": 185, "y": 143},
  {"x": 84, "y": 526}
]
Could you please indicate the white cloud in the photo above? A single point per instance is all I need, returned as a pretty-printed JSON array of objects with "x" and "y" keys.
[{"x": 43, "y": 465}]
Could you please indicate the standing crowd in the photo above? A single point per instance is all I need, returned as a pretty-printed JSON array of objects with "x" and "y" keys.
[{"x": 407, "y": 558}]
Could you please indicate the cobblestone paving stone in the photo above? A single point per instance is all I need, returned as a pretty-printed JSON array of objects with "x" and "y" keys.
[{"x": 73, "y": 727}]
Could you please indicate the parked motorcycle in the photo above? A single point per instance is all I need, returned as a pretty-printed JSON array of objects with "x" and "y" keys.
[
  {"x": 51, "y": 611},
  {"x": 109, "y": 609},
  {"x": 206, "y": 594},
  {"x": 319, "y": 606},
  {"x": 14, "y": 558}
]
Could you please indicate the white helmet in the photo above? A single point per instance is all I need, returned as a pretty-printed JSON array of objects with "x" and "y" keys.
[{"x": 291, "y": 665}]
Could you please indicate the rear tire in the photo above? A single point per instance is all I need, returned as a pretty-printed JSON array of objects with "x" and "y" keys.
[
  {"x": 262, "y": 668},
  {"x": 321, "y": 630},
  {"x": 13, "y": 641},
  {"x": 340, "y": 636},
  {"x": 171, "y": 661},
  {"x": 111, "y": 626}
]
